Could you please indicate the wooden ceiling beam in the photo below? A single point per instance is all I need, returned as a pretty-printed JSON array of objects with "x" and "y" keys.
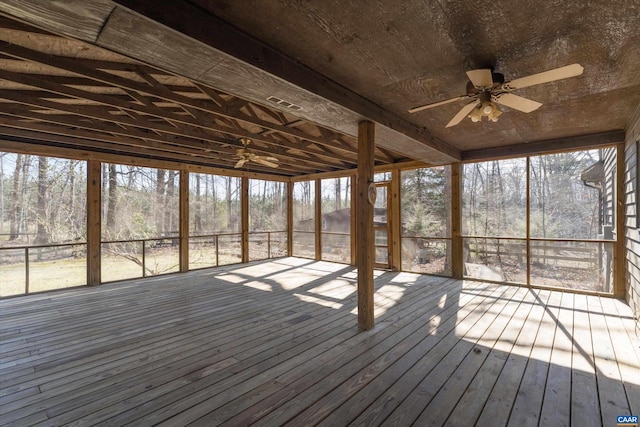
[
  {"x": 582, "y": 142},
  {"x": 68, "y": 64},
  {"x": 197, "y": 24}
]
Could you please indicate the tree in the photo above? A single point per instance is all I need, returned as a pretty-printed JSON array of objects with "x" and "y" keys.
[
  {"x": 14, "y": 221},
  {"x": 112, "y": 201},
  {"x": 42, "y": 235}
]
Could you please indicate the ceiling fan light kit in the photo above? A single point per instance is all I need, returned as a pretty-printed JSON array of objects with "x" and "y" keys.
[{"x": 487, "y": 90}]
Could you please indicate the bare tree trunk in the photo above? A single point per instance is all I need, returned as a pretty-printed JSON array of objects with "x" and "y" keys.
[
  {"x": 42, "y": 236},
  {"x": 111, "y": 202},
  {"x": 215, "y": 221},
  {"x": 14, "y": 221},
  {"x": 198, "y": 213},
  {"x": 2, "y": 193},
  {"x": 229, "y": 219},
  {"x": 23, "y": 226},
  {"x": 159, "y": 210},
  {"x": 170, "y": 216}
]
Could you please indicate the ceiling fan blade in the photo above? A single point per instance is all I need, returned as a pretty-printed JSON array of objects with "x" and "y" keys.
[
  {"x": 464, "y": 112},
  {"x": 516, "y": 102},
  {"x": 240, "y": 163},
  {"x": 436, "y": 104},
  {"x": 264, "y": 161},
  {"x": 565, "y": 72},
  {"x": 481, "y": 78},
  {"x": 271, "y": 159}
]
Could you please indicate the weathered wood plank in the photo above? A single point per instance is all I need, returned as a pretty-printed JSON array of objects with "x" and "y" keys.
[
  {"x": 457, "y": 250},
  {"x": 285, "y": 389},
  {"x": 626, "y": 346},
  {"x": 364, "y": 217},
  {"x": 275, "y": 342},
  {"x": 582, "y": 142},
  {"x": 434, "y": 379},
  {"x": 501, "y": 399},
  {"x": 611, "y": 394},
  {"x": 530, "y": 393},
  {"x": 474, "y": 398},
  {"x": 305, "y": 381},
  {"x": 94, "y": 221},
  {"x": 75, "y": 18},
  {"x": 556, "y": 406},
  {"x": 585, "y": 404}
]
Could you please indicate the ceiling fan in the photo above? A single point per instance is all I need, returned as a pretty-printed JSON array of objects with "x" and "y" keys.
[
  {"x": 247, "y": 156},
  {"x": 485, "y": 89}
]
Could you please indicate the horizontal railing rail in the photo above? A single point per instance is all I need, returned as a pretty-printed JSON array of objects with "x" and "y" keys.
[{"x": 28, "y": 249}]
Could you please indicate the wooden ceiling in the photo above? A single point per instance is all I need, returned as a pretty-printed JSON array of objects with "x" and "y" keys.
[
  {"x": 64, "y": 92},
  {"x": 186, "y": 79}
]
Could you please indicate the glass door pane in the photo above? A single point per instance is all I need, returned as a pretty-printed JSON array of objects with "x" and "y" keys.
[{"x": 381, "y": 229}]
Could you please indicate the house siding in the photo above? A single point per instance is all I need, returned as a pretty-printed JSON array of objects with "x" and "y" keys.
[{"x": 632, "y": 222}]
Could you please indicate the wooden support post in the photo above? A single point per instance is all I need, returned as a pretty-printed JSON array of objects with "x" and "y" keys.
[
  {"x": 318, "y": 207},
  {"x": 184, "y": 220},
  {"x": 94, "y": 221},
  {"x": 244, "y": 218},
  {"x": 620, "y": 254},
  {"x": 289, "y": 218},
  {"x": 457, "y": 250},
  {"x": 364, "y": 215},
  {"x": 396, "y": 229}
]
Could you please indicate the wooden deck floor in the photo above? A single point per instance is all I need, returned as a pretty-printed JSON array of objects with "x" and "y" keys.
[{"x": 273, "y": 343}]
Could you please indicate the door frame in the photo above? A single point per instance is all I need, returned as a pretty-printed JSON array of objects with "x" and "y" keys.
[{"x": 388, "y": 228}]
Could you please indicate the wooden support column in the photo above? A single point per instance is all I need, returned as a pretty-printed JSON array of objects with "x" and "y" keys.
[
  {"x": 620, "y": 253},
  {"x": 318, "y": 211},
  {"x": 457, "y": 250},
  {"x": 94, "y": 221},
  {"x": 396, "y": 229},
  {"x": 244, "y": 218},
  {"x": 184, "y": 220},
  {"x": 364, "y": 215},
  {"x": 289, "y": 218}
]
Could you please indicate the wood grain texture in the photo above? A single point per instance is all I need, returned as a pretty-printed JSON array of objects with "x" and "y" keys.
[
  {"x": 246, "y": 344},
  {"x": 457, "y": 249},
  {"x": 75, "y": 18},
  {"x": 244, "y": 219},
  {"x": 94, "y": 221},
  {"x": 583, "y": 142},
  {"x": 364, "y": 214},
  {"x": 183, "y": 210},
  {"x": 232, "y": 53}
]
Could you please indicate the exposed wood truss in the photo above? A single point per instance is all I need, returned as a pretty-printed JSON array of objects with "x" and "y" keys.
[{"x": 58, "y": 91}]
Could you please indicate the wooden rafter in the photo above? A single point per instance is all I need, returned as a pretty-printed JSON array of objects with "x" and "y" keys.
[
  {"x": 198, "y": 134},
  {"x": 100, "y": 103},
  {"x": 68, "y": 64}
]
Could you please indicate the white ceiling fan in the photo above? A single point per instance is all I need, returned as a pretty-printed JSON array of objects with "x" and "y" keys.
[
  {"x": 485, "y": 89},
  {"x": 247, "y": 156}
]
